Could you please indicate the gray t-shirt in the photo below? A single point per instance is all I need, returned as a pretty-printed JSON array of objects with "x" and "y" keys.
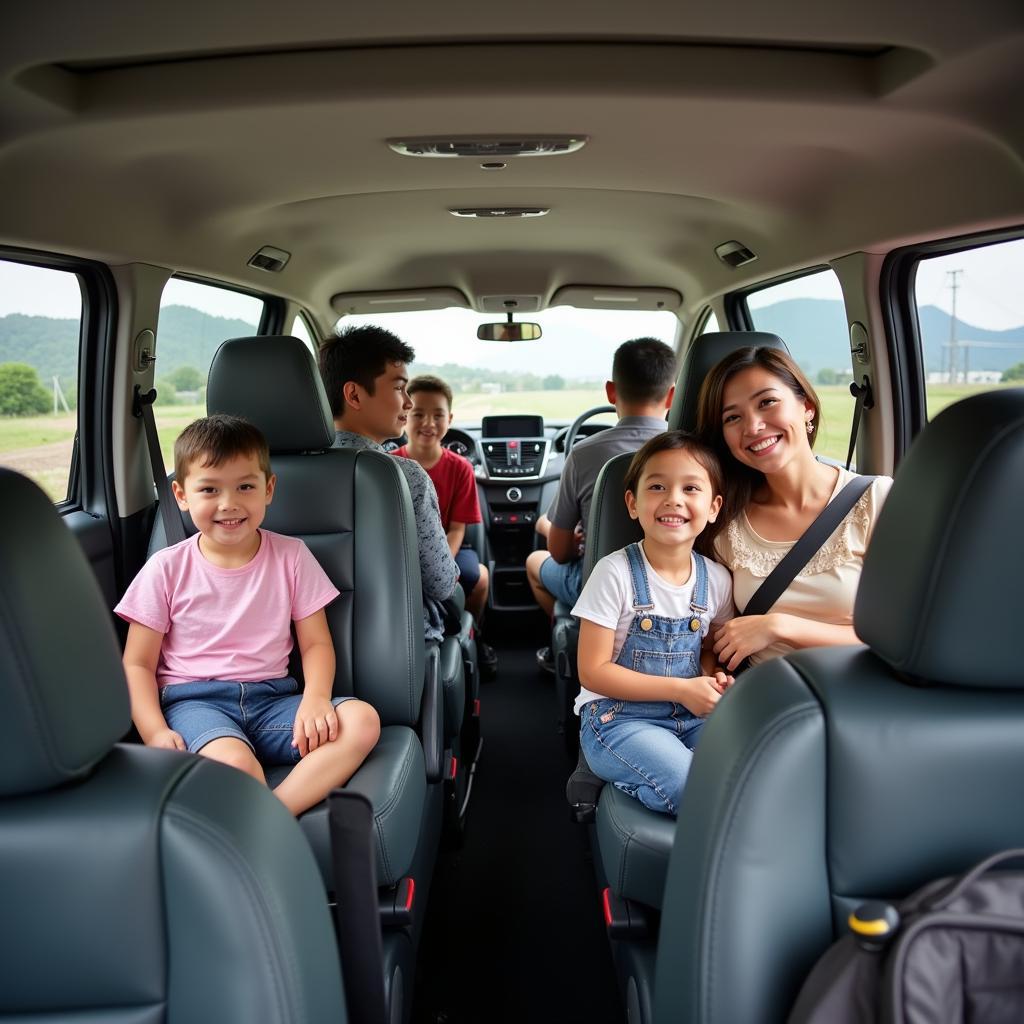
[
  {"x": 571, "y": 503},
  {"x": 438, "y": 571}
]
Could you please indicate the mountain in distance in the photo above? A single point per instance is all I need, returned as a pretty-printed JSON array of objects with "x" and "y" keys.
[{"x": 814, "y": 329}]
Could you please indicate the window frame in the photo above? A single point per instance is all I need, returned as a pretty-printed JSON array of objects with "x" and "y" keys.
[
  {"x": 898, "y": 303},
  {"x": 274, "y": 307}
]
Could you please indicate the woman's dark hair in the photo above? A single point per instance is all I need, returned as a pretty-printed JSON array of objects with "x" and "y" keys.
[
  {"x": 703, "y": 454},
  {"x": 742, "y": 481}
]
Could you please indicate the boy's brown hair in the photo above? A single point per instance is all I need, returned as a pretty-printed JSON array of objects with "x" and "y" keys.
[
  {"x": 427, "y": 382},
  {"x": 703, "y": 454},
  {"x": 213, "y": 440}
]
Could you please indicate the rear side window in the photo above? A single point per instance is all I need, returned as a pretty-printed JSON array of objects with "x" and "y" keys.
[
  {"x": 970, "y": 314},
  {"x": 809, "y": 315},
  {"x": 195, "y": 318},
  {"x": 40, "y": 327}
]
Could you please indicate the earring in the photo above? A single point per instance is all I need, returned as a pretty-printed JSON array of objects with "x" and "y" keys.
[{"x": 810, "y": 426}]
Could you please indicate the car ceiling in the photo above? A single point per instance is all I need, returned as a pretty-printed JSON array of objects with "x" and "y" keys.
[{"x": 190, "y": 135}]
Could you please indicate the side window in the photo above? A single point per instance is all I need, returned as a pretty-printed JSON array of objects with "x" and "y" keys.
[
  {"x": 808, "y": 314},
  {"x": 971, "y": 321},
  {"x": 300, "y": 329},
  {"x": 710, "y": 324},
  {"x": 194, "y": 319},
  {"x": 40, "y": 323}
]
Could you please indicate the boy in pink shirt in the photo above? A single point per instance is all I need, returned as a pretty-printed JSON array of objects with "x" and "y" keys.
[{"x": 209, "y": 635}]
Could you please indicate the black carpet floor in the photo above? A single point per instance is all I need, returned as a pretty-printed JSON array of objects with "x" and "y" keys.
[{"x": 514, "y": 931}]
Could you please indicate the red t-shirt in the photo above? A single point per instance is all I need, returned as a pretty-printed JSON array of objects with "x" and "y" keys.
[{"x": 455, "y": 484}]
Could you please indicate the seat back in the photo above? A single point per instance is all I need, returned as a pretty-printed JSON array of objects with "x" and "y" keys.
[
  {"x": 701, "y": 357},
  {"x": 836, "y": 775},
  {"x": 329, "y": 497},
  {"x": 136, "y": 884}
]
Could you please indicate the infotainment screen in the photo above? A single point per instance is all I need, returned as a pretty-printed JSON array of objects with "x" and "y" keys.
[{"x": 512, "y": 426}]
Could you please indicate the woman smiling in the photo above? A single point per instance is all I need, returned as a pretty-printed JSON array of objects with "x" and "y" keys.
[{"x": 761, "y": 414}]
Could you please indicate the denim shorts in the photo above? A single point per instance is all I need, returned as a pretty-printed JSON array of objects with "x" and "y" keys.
[
  {"x": 261, "y": 715},
  {"x": 562, "y": 580}
]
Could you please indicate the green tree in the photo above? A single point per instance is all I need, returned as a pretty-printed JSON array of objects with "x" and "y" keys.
[
  {"x": 186, "y": 378},
  {"x": 166, "y": 392},
  {"x": 1015, "y": 372},
  {"x": 21, "y": 393},
  {"x": 827, "y": 377},
  {"x": 553, "y": 383}
]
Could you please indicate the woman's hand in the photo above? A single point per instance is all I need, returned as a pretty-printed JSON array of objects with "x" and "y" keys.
[{"x": 743, "y": 636}]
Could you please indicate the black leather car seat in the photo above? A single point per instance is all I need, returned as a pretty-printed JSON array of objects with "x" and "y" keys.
[
  {"x": 836, "y": 775},
  {"x": 135, "y": 884},
  {"x": 352, "y": 508}
]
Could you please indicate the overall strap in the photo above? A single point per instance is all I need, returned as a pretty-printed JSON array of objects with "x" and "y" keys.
[
  {"x": 638, "y": 574},
  {"x": 699, "y": 602}
]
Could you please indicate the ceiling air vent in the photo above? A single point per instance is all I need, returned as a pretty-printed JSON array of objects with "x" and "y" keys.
[
  {"x": 489, "y": 146},
  {"x": 734, "y": 254},
  {"x": 500, "y": 211},
  {"x": 270, "y": 259}
]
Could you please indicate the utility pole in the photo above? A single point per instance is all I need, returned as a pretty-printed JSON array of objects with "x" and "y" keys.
[{"x": 954, "y": 284}]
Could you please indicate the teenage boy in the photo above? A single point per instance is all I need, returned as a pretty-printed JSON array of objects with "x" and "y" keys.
[
  {"x": 365, "y": 373},
  {"x": 210, "y": 630},
  {"x": 641, "y": 389},
  {"x": 453, "y": 478}
]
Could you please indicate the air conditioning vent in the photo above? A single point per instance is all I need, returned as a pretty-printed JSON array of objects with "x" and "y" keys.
[
  {"x": 510, "y": 459},
  {"x": 489, "y": 146},
  {"x": 508, "y": 212}
]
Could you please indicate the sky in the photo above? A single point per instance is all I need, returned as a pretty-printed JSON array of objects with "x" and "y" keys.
[{"x": 990, "y": 295}]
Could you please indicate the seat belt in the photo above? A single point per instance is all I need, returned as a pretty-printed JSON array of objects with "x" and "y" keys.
[
  {"x": 142, "y": 408},
  {"x": 865, "y": 400},
  {"x": 809, "y": 543}
]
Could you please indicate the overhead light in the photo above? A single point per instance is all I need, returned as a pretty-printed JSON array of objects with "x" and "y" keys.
[
  {"x": 501, "y": 211},
  {"x": 735, "y": 254},
  {"x": 270, "y": 259},
  {"x": 489, "y": 146}
]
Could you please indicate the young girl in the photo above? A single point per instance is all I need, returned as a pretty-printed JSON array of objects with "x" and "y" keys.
[{"x": 644, "y": 616}]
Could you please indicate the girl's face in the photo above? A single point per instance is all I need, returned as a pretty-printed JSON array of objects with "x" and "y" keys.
[
  {"x": 674, "y": 499},
  {"x": 764, "y": 423}
]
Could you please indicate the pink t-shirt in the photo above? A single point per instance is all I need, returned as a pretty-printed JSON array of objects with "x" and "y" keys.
[{"x": 232, "y": 624}]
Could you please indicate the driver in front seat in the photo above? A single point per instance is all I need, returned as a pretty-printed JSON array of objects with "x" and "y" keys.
[{"x": 641, "y": 389}]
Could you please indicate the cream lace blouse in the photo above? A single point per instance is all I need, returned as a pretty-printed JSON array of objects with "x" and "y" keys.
[{"x": 825, "y": 588}]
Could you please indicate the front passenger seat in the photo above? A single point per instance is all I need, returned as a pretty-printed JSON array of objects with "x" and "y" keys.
[{"x": 136, "y": 884}]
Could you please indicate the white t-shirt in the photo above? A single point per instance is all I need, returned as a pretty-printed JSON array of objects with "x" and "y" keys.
[{"x": 607, "y": 600}]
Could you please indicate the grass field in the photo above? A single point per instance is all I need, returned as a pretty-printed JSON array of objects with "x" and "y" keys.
[{"x": 40, "y": 446}]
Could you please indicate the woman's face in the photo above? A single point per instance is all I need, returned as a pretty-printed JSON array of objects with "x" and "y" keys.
[{"x": 764, "y": 423}]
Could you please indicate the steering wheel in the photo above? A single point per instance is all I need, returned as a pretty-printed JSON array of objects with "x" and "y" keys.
[
  {"x": 461, "y": 443},
  {"x": 574, "y": 429}
]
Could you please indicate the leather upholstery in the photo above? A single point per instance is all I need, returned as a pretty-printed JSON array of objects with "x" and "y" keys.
[
  {"x": 255, "y": 374},
  {"x": 610, "y": 526},
  {"x": 701, "y": 357},
  {"x": 55, "y": 725},
  {"x": 827, "y": 778},
  {"x": 137, "y": 885},
  {"x": 353, "y": 510},
  {"x": 922, "y": 584}
]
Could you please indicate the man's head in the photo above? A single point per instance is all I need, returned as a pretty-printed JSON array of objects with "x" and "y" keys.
[
  {"x": 365, "y": 376},
  {"x": 431, "y": 413},
  {"x": 643, "y": 374}
]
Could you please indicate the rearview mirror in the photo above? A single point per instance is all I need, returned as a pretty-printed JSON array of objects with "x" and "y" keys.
[{"x": 503, "y": 331}]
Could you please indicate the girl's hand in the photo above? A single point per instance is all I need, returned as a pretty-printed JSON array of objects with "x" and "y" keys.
[
  {"x": 316, "y": 723},
  {"x": 167, "y": 739},
  {"x": 700, "y": 694},
  {"x": 722, "y": 680},
  {"x": 743, "y": 636}
]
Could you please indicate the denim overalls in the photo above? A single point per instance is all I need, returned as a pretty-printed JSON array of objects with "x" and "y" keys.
[{"x": 645, "y": 747}]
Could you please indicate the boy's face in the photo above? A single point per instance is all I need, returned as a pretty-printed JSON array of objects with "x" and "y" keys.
[
  {"x": 674, "y": 499},
  {"x": 382, "y": 414},
  {"x": 429, "y": 420},
  {"x": 227, "y": 502}
]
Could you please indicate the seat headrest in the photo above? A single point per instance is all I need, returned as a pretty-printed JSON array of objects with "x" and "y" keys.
[
  {"x": 940, "y": 594},
  {"x": 701, "y": 357},
  {"x": 610, "y": 526},
  {"x": 63, "y": 695},
  {"x": 273, "y": 382}
]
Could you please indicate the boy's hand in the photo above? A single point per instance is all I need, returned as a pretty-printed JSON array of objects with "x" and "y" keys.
[
  {"x": 316, "y": 723},
  {"x": 700, "y": 694},
  {"x": 168, "y": 739}
]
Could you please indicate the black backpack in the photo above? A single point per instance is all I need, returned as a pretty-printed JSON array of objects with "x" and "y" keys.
[{"x": 954, "y": 951}]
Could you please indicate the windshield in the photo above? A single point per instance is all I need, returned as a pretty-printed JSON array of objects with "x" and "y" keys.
[{"x": 558, "y": 376}]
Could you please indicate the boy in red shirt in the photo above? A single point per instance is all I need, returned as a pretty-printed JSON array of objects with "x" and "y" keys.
[{"x": 429, "y": 419}]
